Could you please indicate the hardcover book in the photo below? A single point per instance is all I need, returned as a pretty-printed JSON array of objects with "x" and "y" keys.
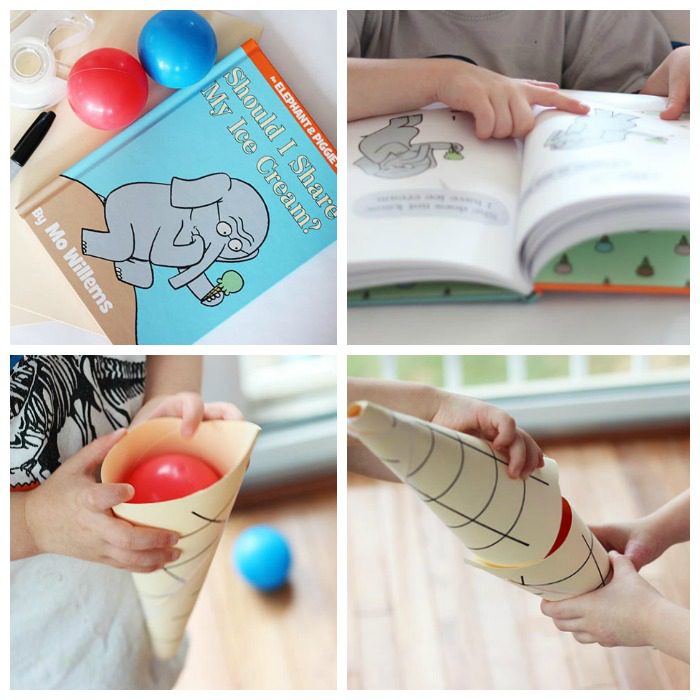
[{"x": 196, "y": 209}]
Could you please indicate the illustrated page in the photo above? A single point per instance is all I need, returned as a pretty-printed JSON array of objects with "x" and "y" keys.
[
  {"x": 429, "y": 199},
  {"x": 619, "y": 155}
]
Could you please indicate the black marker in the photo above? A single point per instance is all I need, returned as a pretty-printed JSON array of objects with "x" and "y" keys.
[{"x": 29, "y": 142}]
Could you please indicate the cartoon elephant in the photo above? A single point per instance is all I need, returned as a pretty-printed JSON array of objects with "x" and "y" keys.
[
  {"x": 597, "y": 129},
  {"x": 390, "y": 152},
  {"x": 187, "y": 225}
]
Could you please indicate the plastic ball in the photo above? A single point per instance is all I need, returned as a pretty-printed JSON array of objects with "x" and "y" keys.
[
  {"x": 177, "y": 47},
  {"x": 170, "y": 476},
  {"x": 107, "y": 88},
  {"x": 262, "y": 557}
]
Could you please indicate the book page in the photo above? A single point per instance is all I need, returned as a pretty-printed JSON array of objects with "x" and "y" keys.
[
  {"x": 428, "y": 200},
  {"x": 620, "y": 164}
]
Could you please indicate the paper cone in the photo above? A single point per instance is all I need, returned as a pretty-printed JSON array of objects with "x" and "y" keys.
[
  {"x": 509, "y": 525},
  {"x": 463, "y": 481},
  {"x": 579, "y": 565},
  {"x": 169, "y": 594}
]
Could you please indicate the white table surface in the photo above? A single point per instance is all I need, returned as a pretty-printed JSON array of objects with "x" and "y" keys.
[
  {"x": 302, "y": 44},
  {"x": 556, "y": 320}
]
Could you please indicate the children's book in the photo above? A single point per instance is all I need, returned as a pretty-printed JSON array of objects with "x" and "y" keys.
[
  {"x": 196, "y": 209},
  {"x": 594, "y": 203}
]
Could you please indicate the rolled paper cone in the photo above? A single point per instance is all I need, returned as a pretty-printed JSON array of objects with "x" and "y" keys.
[
  {"x": 465, "y": 483},
  {"x": 169, "y": 594},
  {"x": 578, "y": 566}
]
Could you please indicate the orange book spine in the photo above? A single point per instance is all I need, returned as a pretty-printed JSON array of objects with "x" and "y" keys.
[{"x": 292, "y": 103}]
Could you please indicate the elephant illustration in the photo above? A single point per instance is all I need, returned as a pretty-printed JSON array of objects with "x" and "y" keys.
[
  {"x": 601, "y": 127},
  {"x": 390, "y": 152},
  {"x": 187, "y": 225}
]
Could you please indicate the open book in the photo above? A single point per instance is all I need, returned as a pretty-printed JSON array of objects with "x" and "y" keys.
[{"x": 584, "y": 203}]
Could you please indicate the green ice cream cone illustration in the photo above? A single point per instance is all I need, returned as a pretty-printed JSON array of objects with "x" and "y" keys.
[
  {"x": 453, "y": 153},
  {"x": 229, "y": 283}
]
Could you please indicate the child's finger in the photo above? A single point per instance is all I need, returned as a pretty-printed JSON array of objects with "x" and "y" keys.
[
  {"x": 531, "y": 457},
  {"x": 523, "y": 117},
  {"x": 558, "y": 610},
  {"x": 610, "y": 536},
  {"x": 143, "y": 560},
  {"x": 535, "y": 456},
  {"x": 192, "y": 413},
  {"x": 542, "y": 83},
  {"x": 90, "y": 457},
  {"x": 123, "y": 535},
  {"x": 503, "y": 126},
  {"x": 568, "y": 624},
  {"x": 622, "y": 565},
  {"x": 555, "y": 98},
  {"x": 517, "y": 456},
  {"x": 584, "y": 638},
  {"x": 101, "y": 497},
  {"x": 506, "y": 429},
  {"x": 117, "y": 564},
  {"x": 484, "y": 117},
  {"x": 678, "y": 90},
  {"x": 678, "y": 98},
  {"x": 219, "y": 410}
]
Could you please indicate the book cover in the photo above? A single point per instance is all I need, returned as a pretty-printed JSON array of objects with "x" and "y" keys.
[{"x": 194, "y": 210}]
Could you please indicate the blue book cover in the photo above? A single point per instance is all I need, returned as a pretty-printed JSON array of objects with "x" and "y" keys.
[{"x": 194, "y": 210}]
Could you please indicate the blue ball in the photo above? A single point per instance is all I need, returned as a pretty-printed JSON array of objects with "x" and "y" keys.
[
  {"x": 262, "y": 556},
  {"x": 177, "y": 47}
]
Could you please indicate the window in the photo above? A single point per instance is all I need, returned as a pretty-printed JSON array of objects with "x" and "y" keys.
[
  {"x": 282, "y": 389},
  {"x": 293, "y": 399},
  {"x": 553, "y": 393}
]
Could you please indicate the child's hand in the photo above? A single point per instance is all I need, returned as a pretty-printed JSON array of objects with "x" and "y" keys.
[
  {"x": 672, "y": 79},
  {"x": 502, "y": 107},
  {"x": 644, "y": 539},
  {"x": 188, "y": 406},
  {"x": 492, "y": 424},
  {"x": 71, "y": 514},
  {"x": 638, "y": 540},
  {"x": 616, "y": 615}
]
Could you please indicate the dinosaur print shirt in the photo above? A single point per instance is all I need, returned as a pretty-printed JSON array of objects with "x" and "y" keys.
[{"x": 60, "y": 403}]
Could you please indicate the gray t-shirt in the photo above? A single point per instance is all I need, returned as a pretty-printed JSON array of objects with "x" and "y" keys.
[{"x": 613, "y": 51}]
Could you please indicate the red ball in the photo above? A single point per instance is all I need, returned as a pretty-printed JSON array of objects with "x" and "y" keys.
[
  {"x": 564, "y": 526},
  {"x": 107, "y": 88},
  {"x": 170, "y": 476}
]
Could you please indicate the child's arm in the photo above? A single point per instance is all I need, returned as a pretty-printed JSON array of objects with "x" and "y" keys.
[
  {"x": 173, "y": 383},
  {"x": 502, "y": 107},
  {"x": 71, "y": 514},
  {"x": 450, "y": 410},
  {"x": 672, "y": 79},
  {"x": 626, "y": 612},
  {"x": 645, "y": 539}
]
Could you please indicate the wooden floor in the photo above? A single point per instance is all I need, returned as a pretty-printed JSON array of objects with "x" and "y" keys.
[
  {"x": 240, "y": 638},
  {"x": 420, "y": 618}
]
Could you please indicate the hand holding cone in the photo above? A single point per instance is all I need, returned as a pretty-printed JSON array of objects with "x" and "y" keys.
[
  {"x": 169, "y": 594},
  {"x": 515, "y": 529}
]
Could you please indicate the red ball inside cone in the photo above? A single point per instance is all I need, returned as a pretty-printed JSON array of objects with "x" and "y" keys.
[
  {"x": 564, "y": 527},
  {"x": 170, "y": 476}
]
